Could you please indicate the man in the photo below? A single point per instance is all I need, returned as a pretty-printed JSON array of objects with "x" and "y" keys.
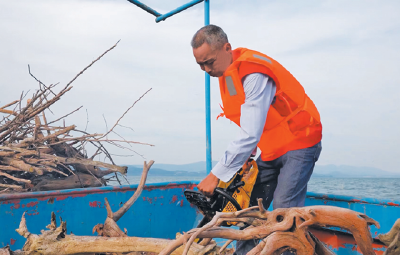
[{"x": 274, "y": 114}]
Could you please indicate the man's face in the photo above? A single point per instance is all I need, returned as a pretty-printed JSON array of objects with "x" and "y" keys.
[{"x": 214, "y": 62}]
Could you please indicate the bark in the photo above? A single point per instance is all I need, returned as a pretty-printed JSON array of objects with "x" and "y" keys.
[{"x": 71, "y": 182}]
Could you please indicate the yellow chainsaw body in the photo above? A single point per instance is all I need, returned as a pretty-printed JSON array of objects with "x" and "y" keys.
[{"x": 242, "y": 194}]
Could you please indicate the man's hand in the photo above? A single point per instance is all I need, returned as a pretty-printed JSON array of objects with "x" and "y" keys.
[{"x": 208, "y": 185}]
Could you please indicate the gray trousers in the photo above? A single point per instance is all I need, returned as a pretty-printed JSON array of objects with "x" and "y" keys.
[{"x": 282, "y": 181}]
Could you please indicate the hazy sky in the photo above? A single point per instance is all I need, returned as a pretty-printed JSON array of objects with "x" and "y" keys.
[{"x": 345, "y": 53}]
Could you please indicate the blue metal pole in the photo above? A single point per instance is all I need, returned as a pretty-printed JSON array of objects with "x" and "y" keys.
[
  {"x": 177, "y": 10},
  {"x": 145, "y": 7},
  {"x": 207, "y": 85}
]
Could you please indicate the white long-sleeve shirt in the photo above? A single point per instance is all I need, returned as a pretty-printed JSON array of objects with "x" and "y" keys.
[{"x": 259, "y": 92}]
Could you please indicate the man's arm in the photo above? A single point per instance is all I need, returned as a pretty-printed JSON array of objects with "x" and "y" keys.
[{"x": 259, "y": 90}]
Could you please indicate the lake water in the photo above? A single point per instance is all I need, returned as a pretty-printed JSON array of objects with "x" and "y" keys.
[{"x": 379, "y": 188}]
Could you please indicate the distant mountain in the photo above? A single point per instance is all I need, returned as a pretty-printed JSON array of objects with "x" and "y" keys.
[
  {"x": 136, "y": 171},
  {"x": 199, "y": 169},
  {"x": 192, "y": 167},
  {"x": 344, "y": 171}
]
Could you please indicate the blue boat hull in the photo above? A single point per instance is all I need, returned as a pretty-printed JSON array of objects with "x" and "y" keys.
[{"x": 161, "y": 211}]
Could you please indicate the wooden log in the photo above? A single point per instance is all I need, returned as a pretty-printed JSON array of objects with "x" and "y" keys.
[
  {"x": 68, "y": 151},
  {"x": 71, "y": 161},
  {"x": 78, "y": 180},
  {"x": 43, "y": 162},
  {"x": 56, "y": 241},
  {"x": 86, "y": 162},
  {"x": 14, "y": 187},
  {"x": 22, "y": 165},
  {"x": 14, "y": 178}
]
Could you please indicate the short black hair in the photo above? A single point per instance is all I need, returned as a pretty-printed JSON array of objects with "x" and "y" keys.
[{"x": 211, "y": 34}]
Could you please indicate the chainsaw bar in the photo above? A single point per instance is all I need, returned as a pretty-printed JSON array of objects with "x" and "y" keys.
[{"x": 204, "y": 204}]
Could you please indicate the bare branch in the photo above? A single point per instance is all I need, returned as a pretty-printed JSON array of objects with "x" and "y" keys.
[{"x": 125, "y": 113}]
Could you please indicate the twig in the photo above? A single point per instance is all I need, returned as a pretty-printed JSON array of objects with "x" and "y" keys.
[
  {"x": 12, "y": 103},
  {"x": 94, "y": 61},
  {"x": 126, "y": 127},
  {"x": 65, "y": 115},
  {"x": 125, "y": 113},
  {"x": 105, "y": 121},
  {"x": 29, "y": 70},
  {"x": 125, "y": 148},
  {"x": 87, "y": 119},
  {"x": 121, "y": 141}
]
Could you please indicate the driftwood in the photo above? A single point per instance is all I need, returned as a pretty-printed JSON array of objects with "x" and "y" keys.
[
  {"x": 39, "y": 155},
  {"x": 112, "y": 239},
  {"x": 110, "y": 227},
  {"x": 392, "y": 239},
  {"x": 78, "y": 179},
  {"x": 56, "y": 241},
  {"x": 283, "y": 229}
]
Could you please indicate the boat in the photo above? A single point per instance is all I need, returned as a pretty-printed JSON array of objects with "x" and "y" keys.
[{"x": 160, "y": 212}]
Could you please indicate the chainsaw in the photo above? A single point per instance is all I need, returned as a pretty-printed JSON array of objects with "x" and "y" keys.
[{"x": 228, "y": 197}]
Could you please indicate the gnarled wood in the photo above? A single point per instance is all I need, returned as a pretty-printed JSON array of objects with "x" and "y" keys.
[
  {"x": 287, "y": 228},
  {"x": 110, "y": 227},
  {"x": 394, "y": 246},
  {"x": 118, "y": 214},
  {"x": 390, "y": 236}
]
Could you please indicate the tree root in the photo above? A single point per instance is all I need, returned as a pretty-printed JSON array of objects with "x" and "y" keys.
[
  {"x": 283, "y": 229},
  {"x": 392, "y": 239},
  {"x": 110, "y": 227}
]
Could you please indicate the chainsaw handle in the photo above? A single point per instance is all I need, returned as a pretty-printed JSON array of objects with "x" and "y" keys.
[{"x": 230, "y": 199}]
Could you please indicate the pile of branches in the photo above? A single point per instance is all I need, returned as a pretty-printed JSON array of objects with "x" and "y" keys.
[{"x": 39, "y": 155}]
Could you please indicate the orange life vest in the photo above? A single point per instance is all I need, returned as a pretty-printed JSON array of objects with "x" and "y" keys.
[{"x": 293, "y": 121}]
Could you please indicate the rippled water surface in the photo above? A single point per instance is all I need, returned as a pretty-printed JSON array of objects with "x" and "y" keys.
[{"x": 384, "y": 188}]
